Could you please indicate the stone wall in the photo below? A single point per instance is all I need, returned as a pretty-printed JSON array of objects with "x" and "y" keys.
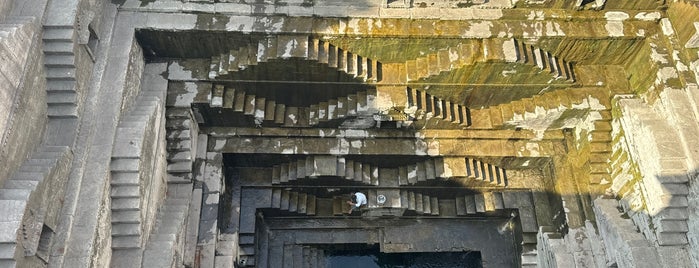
[{"x": 22, "y": 96}]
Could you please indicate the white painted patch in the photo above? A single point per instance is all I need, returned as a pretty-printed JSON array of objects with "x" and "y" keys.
[
  {"x": 615, "y": 24},
  {"x": 478, "y": 30},
  {"x": 657, "y": 57},
  {"x": 219, "y": 144},
  {"x": 433, "y": 148},
  {"x": 533, "y": 149},
  {"x": 356, "y": 144},
  {"x": 293, "y": 118},
  {"x": 536, "y": 15},
  {"x": 289, "y": 47},
  {"x": 616, "y": 15},
  {"x": 648, "y": 16},
  {"x": 354, "y": 24},
  {"x": 614, "y": 28},
  {"x": 641, "y": 32},
  {"x": 507, "y": 73},
  {"x": 666, "y": 26}
]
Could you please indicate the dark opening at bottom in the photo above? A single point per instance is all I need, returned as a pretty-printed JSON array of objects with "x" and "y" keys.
[{"x": 372, "y": 258}]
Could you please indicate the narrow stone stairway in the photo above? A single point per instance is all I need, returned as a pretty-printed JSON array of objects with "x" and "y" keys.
[
  {"x": 268, "y": 110},
  {"x": 294, "y": 46},
  {"x": 443, "y": 60},
  {"x": 181, "y": 144},
  {"x": 165, "y": 243},
  {"x": 417, "y": 202},
  {"x": 316, "y": 166},
  {"x": 59, "y": 50},
  {"x": 28, "y": 187},
  {"x": 431, "y": 108},
  {"x": 543, "y": 108},
  {"x": 544, "y": 60},
  {"x": 294, "y": 202}
]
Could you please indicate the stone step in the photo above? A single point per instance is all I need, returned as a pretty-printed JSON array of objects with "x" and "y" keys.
[
  {"x": 293, "y": 201},
  {"x": 58, "y": 48},
  {"x": 426, "y": 204},
  {"x": 224, "y": 64},
  {"x": 62, "y": 34},
  {"x": 125, "y": 164},
  {"x": 125, "y": 178},
  {"x": 126, "y": 242},
  {"x": 125, "y": 191},
  {"x": 434, "y": 202},
  {"x": 8, "y": 263},
  {"x": 214, "y": 66},
  {"x": 126, "y": 217},
  {"x": 30, "y": 175},
  {"x": 279, "y": 113},
  {"x": 353, "y": 64},
  {"x": 259, "y": 114},
  {"x": 126, "y": 229},
  {"x": 7, "y": 250},
  {"x": 126, "y": 204},
  {"x": 249, "y": 106},
  {"x": 276, "y": 198},
  {"x": 285, "y": 200},
  {"x": 419, "y": 203},
  {"x": 404, "y": 199},
  {"x": 498, "y": 202},
  {"x": 311, "y": 205},
  {"x": 479, "y": 202},
  {"x": 15, "y": 194},
  {"x": 412, "y": 203},
  {"x": 302, "y": 203},
  {"x": 61, "y": 96},
  {"x": 59, "y": 60},
  {"x": 20, "y": 184},
  {"x": 323, "y": 51},
  {"x": 62, "y": 110},
  {"x": 291, "y": 116}
]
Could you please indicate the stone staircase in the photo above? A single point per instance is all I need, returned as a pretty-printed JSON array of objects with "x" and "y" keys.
[
  {"x": 443, "y": 60},
  {"x": 667, "y": 192},
  {"x": 486, "y": 172},
  {"x": 439, "y": 109},
  {"x": 129, "y": 165},
  {"x": 528, "y": 54},
  {"x": 294, "y": 46},
  {"x": 181, "y": 143},
  {"x": 450, "y": 167},
  {"x": 316, "y": 166},
  {"x": 30, "y": 186},
  {"x": 543, "y": 108},
  {"x": 61, "y": 89},
  {"x": 263, "y": 109},
  {"x": 166, "y": 241},
  {"x": 601, "y": 150},
  {"x": 417, "y": 202},
  {"x": 294, "y": 202}
]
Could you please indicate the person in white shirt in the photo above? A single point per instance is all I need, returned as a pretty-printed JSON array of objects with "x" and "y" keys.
[{"x": 358, "y": 200}]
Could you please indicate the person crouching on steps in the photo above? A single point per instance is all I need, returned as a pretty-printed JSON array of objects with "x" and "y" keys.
[{"x": 357, "y": 200}]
